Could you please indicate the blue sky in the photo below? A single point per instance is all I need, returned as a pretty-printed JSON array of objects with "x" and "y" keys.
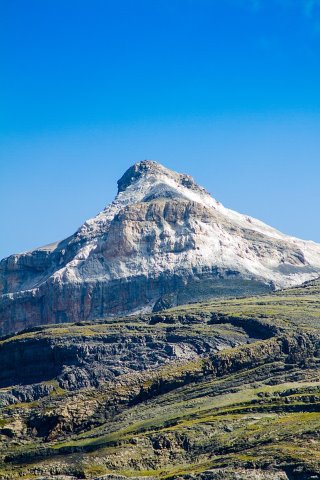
[{"x": 226, "y": 91}]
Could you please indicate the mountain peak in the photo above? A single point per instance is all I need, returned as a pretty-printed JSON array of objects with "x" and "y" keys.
[
  {"x": 144, "y": 167},
  {"x": 162, "y": 235},
  {"x": 150, "y": 168}
]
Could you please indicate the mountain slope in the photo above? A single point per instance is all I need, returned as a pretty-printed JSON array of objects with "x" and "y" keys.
[
  {"x": 227, "y": 389},
  {"x": 163, "y": 241}
]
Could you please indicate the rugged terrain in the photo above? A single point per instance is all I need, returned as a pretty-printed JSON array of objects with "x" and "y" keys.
[
  {"x": 224, "y": 389},
  {"x": 164, "y": 241}
]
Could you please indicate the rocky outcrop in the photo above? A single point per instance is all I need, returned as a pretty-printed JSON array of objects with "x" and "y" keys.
[
  {"x": 88, "y": 355},
  {"x": 164, "y": 241}
]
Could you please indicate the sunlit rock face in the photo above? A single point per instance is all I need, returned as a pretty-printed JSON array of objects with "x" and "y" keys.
[{"x": 163, "y": 241}]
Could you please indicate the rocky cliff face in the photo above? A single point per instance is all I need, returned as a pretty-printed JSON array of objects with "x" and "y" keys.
[{"x": 163, "y": 241}]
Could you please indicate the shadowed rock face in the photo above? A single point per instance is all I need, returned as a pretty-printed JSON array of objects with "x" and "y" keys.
[
  {"x": 88, "y": 355},
  {"x": 163, "y": 241}
]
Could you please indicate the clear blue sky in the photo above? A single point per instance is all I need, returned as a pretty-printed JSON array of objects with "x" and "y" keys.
[{"x": 228, "y": 91}]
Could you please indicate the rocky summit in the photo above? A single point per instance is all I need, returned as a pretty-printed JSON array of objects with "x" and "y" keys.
[{"x": 163, "y": 241}]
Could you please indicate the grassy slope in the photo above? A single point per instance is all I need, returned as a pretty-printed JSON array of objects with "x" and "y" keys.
[{"x": 256, "y": 405}]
